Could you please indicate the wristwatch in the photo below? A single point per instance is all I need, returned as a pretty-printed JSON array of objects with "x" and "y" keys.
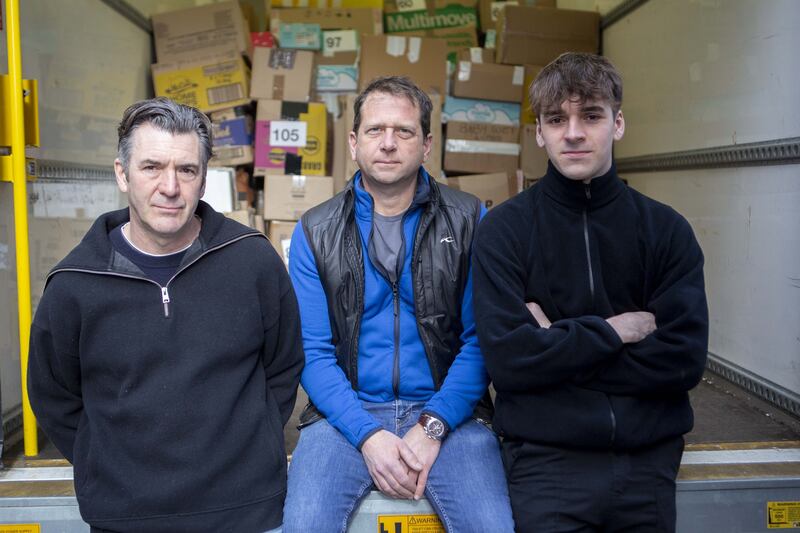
[{"x": 434, "y": 428}]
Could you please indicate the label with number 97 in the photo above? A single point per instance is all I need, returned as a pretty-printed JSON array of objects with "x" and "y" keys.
[{"x": 287, "y": 133}]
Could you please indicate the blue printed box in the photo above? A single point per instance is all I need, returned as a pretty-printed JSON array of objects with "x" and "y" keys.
[
  {"x": 337, "y": 78},
  {"x": 468, "y": 110},
  {"x": 236, "y": 131}
]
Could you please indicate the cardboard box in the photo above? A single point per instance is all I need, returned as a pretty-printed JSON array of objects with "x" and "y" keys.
[
  {"x": 207, "y": 84},
  {"x": 423, "y": 60},
  {"x": 454, "y": 21},
  {"x": 232, "y": 155},
  {"x": 280, "y": 74},
  {"x": 337, "y": 78},
  {"x": 200, "y": 32},
  {"x": 280, "y": 235},
  {"x": 300, "y": 36},
  {"x": 533, "y": 159},
  {"x": 476, "y": 55},
  {"x": 365, "y": 21},
  {"x": 288, "y": 197},
  {"x": 377, "y": 4},
  {"x": 537, "y": 35},
  {"x": 526, "y": 113},
  {"x": 339, "y": 47},
  {"x": 469, "y": 110},
  {"x": 488, "y": 81},
  {"x": 233, "y": 130},
  {"x": 488, "y": 9},
  {"x": 491, "y": 189},
  {"x": 291, "y": 138},
  {"x": 477, "y": 147},
  {"x": 434, "y": 163}
]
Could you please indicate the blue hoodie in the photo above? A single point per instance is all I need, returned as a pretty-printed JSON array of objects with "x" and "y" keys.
[{"x": 325, "y": 382}]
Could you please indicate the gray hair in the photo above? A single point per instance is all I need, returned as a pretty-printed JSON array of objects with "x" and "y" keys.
[
  {"x": 166, "y": 115},
  {"x": 396, "y": 86}
]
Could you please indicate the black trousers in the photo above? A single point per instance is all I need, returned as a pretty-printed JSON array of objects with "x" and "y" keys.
[{"x": 562, "y": 490}]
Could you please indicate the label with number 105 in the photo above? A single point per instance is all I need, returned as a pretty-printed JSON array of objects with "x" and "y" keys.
[{"x": 287, "y": 133}]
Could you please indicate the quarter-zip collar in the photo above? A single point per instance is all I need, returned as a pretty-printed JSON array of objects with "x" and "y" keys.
[
  {"x": 582, "y": 196},
  {"x": 365, "y": 203}
]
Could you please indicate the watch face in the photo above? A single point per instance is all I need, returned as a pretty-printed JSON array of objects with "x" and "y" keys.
[{"x": 434, "y": 427}]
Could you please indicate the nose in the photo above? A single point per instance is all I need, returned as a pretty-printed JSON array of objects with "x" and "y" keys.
[
  {"x": 575, "y": 131},
  {"x": 168, "y": 184},
  {"x": 388, "y": 143}
]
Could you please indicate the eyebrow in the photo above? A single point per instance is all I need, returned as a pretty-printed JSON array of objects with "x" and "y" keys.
[{"x": 593, "y": 109}]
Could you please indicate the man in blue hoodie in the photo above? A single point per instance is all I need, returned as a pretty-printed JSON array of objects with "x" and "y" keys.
[{"x": 393, "y": 368}]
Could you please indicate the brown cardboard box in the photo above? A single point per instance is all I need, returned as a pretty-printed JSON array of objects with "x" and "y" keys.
[
  {"x": 481, "y": 147},
  {"x": 526, "y": 115},
  {"x": 421, "y": 59},
  {"x": 537, "y": 35},
  {"x": 366, "y": 21},
  {"x": 533, "y": 159},
  {"x": 488, "y": 81},
  {"x": 454, "y": 21},
  {"x": 491, "y": 189},
  {"x": 488, "y": 9},
  {"x": 280, "y": 74},
  {"x": 209, "y": 84},
  {"x": 280, "y": 235},
  {"x": 288, "y": 197},
  {"x": 341, "y": 151},
  {"x": 476, "y": 55},
  {"x": 199, "y": 32},
  {"x": 434, "y": 163}
]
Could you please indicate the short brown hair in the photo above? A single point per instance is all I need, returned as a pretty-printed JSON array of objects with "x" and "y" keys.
[
  {"x": 396, "y": 86},
  {"x": 576, "y": 74}
]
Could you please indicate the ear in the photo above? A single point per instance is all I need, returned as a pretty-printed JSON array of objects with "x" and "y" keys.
[
  {"x": 619, "y": 126},
  {"x": 122, "y": 179},
  {"x": 203, "y": 186},
  {"x": 539, "y": 137},
  {"x": 352, "y": 140},
  {"x": 427, "y": 144}
]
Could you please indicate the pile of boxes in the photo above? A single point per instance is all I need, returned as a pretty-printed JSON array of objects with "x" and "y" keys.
[{"x": 281, "y": 96}]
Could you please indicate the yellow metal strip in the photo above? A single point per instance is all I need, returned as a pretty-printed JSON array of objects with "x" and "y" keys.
[
  {"x": 757, "y": 445},
  {"x": 17, "y": 128}
]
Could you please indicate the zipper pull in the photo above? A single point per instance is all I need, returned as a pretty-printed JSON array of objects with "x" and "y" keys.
[
  {"x": 165, "y": 300},
  {"x": 588, "y": 190},
  {"x": 396, "y": 298}
]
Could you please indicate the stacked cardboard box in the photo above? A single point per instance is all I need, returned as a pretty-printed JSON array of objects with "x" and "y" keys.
[{"x": 453, "y": 21}]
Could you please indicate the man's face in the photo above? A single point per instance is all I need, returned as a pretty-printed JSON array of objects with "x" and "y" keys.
[
  {"x": 389, "y": 146},
  {"x": 164, "y": 183},
  {"x": 579, "y": 136}
]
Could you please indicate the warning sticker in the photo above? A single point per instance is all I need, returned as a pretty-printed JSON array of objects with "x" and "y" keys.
[
  {"x": 411, "y": 523},
  {"x": 20, "y": 528},
  {"x": 783, "y": 515}
]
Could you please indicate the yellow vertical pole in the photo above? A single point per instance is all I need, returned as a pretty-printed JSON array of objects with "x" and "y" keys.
[{"x": 18, "y": 178}]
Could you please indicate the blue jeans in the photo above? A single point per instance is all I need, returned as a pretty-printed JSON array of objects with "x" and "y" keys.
[{"x": 328, "y": 477}]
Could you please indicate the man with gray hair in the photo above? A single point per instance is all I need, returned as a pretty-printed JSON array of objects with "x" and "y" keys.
[{"x": 165, "y": 352}]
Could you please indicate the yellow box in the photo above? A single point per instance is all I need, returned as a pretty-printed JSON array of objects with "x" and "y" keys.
[
  {"x": 208, "y": 84},
  {"x": 310, "y": 157}
]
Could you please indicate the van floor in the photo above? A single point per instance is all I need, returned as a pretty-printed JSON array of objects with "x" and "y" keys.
[{"x": 724, "y": 413}]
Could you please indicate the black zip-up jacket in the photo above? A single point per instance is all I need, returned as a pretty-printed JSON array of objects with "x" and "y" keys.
[
  {"x": 439, "y": 274},
  {"x": 170, "y": 402},
  {"x": 585, "y": 253}
]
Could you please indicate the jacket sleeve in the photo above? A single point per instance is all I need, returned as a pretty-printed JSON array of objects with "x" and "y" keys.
[
  {"x": 54, "y": 374},
  {"x": 324, "y": 381},
  {"x": 673, "y": 357},
  {"x": 467, "y": 379},
  {"x": 283, "y": 350},
  {"x": 520, "y": 355}
]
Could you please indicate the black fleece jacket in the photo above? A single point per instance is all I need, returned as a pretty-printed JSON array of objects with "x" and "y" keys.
[
  {"x": 585, "y": 253},
  {"x": 171, "y": 413}
]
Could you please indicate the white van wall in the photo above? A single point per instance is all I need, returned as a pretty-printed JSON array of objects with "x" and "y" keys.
[
  {"x": 700, "y": 74},
  {"x": 91, "y": 64}
]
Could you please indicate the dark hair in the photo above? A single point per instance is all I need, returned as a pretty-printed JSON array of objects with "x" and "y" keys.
[
  {"x": 166, "y": 115},
  {"x": 397, "y": 86},
  {"x": 576, "y": 74}
]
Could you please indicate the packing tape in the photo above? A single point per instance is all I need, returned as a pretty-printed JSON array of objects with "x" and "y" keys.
[
  {"x": 464, "y": 70},
  {"x": 481, "y": 147},
  {"x": 395, "y": 46},
  {"x": 278, "y": 83},
  {"x": 298, "y": 185},
  {"x": 414, "y": 46},
  {"x": 476, "y": 54},
  {"x": 519, "y": 76}
]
